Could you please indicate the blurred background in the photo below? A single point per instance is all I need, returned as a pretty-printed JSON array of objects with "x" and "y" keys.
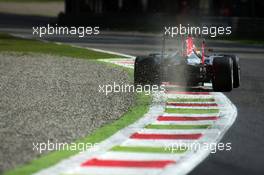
[{"x": 245, "y": 16}]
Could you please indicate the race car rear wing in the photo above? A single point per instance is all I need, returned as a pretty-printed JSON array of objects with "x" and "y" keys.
[{"x": 185, "y": 46}]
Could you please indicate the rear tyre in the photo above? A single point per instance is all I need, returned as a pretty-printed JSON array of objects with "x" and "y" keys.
[
  {"x": 222, "y": 74},
  {"x": 147, "y": 71},
  {"x": 236, "y": 70}
]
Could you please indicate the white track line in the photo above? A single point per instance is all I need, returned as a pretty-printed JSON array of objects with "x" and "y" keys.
[
  {"x": 139, "y": 156},
  {"x": 112, "y": 171},
  {"x": 179, "y": 131},
  {"x": 189, "y": 96},
  {"x": 156, "y": 143}
]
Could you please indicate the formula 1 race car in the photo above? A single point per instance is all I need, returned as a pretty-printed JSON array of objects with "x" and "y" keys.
[{"x": 190, "y": 67}]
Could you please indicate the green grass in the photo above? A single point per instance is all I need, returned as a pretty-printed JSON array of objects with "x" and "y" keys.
[
  {"x": 135, "y": 112},
  {"x": 10, "y": 43},
  {"x": 177, "y": 126},
  {"x": 141, "y": 106},
  {"x": 183, "y": 100},
  {"x": 143, "y": 149},
  {"x": 190, "y": 111}
]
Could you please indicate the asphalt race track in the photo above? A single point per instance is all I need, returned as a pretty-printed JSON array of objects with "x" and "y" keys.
[{"x": 246, "y": 135}]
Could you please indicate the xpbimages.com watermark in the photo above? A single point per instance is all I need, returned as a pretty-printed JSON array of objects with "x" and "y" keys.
[
  {"x": 212, "y": 31},
  {"x": 41, "y": 147},
  {"x": 123, "y": 88},
  {"x": 80, "y": 31},
  {"x": 212, "y": 147}
]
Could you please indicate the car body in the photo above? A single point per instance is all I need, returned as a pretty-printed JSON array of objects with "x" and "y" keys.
[{"x": 189, "y": 67}]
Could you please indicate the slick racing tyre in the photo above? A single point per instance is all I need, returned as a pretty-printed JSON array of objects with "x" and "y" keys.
[
  {"x": 236, "y": 70},
  {"x": 147, "y": 70},
  {"x": 223, "y": 74}
]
